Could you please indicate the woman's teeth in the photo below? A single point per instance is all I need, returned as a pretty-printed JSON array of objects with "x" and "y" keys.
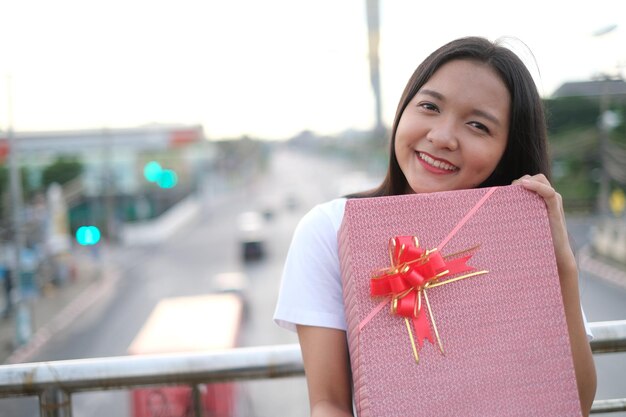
[{"x": 436, "y": 163}]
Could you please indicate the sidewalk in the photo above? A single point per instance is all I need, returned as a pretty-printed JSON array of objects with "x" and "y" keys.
[{"x": 57, "y": 307}]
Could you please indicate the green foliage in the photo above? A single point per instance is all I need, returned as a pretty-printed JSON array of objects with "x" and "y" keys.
[
  {"x": 27, "y": 190},
  {"x": 570, "y": 112},
  {"x": 577, "y": 182},
  {"x": 574, "y": 138},
  {"x": 62, "y": 170}
]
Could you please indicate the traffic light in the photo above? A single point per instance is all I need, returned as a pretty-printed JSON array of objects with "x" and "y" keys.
[
  {"x": 88, "y": 235},
  {"x": 164, "y": 178},
  {"x": 152, "y": 171},
  {"x": 167, "y": 179}
]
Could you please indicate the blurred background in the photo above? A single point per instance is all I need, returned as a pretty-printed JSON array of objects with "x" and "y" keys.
[{"x": 156, "y": 150}]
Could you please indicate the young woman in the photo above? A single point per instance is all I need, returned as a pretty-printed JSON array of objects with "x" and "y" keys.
[{"x": 470, "y": 116}]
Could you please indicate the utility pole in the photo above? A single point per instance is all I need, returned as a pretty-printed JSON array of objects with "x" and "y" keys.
[
  {"x": 603, "y": 194},
  {"x": 23, "y": 319},
  {"x": 373, "y": 31},
  {"x": 108, "y": 175},
  {"x": 604, "y": 130}
]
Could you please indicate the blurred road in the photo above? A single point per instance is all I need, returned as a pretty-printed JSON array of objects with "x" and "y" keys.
[{"x": 190, "y": 262}]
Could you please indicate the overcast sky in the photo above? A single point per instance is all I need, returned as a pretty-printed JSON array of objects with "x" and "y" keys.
[{"x": 265, "y": 68}]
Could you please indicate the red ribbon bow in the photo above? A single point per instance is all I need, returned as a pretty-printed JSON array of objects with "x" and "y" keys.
[{"x": 412, "y": 271}]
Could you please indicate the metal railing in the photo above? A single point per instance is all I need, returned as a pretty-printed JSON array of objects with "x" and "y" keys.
[{"x": 55, "y": 382}]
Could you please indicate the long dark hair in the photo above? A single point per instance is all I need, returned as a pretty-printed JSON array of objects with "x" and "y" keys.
[{"x": 526, "y": 150}]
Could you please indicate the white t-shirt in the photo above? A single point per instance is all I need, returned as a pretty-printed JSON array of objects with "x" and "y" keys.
[{"x": 311, "y": 290}]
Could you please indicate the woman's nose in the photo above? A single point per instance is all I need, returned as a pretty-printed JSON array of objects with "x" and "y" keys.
[{"x": 443, "y": 135}]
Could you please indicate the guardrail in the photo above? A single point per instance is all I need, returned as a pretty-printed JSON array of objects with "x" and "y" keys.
[{"x": 55, "y": 382}]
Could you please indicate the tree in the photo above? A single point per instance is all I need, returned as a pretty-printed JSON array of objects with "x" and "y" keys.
[
  {"x": 570, "y": 112},
  {"x": 61, "y": 171}
]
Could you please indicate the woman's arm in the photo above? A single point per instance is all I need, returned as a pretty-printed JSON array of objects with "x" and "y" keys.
[
  {"x": 568, "y": 275},
  {"x": 327, "y": 369}
]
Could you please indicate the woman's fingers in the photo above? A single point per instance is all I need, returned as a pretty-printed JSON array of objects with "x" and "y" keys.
[{"x": 540, "y": 184}]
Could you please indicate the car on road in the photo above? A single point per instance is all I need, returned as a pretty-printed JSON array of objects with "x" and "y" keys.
[{"x": 251, "y": 235}]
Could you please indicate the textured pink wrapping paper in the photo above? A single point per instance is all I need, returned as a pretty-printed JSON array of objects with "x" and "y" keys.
[{"x": 507, "y": 350}]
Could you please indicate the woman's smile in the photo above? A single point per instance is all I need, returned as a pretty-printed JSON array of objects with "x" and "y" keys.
[{"x": 435, "y": 165}]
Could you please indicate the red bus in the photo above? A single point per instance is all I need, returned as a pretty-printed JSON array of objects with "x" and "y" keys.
[{"x": 188, "y": 324}]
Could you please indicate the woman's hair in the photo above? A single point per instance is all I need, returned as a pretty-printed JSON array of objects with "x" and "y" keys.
[{"x": 526, "y": 150}]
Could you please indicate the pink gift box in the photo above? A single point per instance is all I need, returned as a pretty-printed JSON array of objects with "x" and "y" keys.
[{"x": 504, "y": 334}]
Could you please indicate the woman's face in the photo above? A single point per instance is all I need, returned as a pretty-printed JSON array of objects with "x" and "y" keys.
[{"x": 454, "y": 131}]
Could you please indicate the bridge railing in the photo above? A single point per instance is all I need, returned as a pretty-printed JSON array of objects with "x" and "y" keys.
[{"x": 55, "y": 382}]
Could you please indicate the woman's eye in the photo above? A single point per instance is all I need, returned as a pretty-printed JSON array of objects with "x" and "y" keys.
[
  {"x": 429, "y": 106},
  {"x": 479, "y": 126}
]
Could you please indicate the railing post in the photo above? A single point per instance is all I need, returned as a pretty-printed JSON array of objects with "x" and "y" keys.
[
  {"x": 55, "y": 402},
  {"x": 196, "y": 395}
]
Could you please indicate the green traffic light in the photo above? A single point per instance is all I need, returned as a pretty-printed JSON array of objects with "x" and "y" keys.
[
  {"x": 88, "y": 235},
  {"x": 167, "y": 179},
  {"x": 152, "y": 171}
]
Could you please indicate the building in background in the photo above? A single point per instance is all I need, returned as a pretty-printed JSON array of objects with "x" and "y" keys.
[
  {"x": 595, "y": 89},
  {"x": 112, "y": 187},
  {"x": 111, "y": 157}
]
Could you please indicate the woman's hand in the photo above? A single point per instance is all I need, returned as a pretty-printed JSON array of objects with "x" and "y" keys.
[{"x": 568, "y": 277}]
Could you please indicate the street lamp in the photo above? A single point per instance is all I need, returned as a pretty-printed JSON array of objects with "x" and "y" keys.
[{"x": 604, "y": 30}]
